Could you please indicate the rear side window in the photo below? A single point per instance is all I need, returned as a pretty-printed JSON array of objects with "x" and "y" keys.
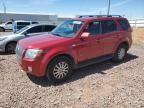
[
  {"x": 34, "y": 22},
  {"x": 108, "y": 26},
  {"x": 93, "y": 28},
  {"x": 36, "y": 29},
  {"x": 124, "y": 24},
  {"x": 48, "y": 28},
  {"x": 23, "y": 23}
]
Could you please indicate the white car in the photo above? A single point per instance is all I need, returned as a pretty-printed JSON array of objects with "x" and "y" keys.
[{"x": 6, "y": 26}]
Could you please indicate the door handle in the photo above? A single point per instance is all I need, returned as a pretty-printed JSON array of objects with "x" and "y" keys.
[
  {"x": 116, "y": 36},
  {"x": 98, "y": 40}
]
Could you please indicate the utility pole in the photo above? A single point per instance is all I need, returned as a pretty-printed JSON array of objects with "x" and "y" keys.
[
  {"x": 109, "y": 5},
  {"x": 4, "y": 7}
]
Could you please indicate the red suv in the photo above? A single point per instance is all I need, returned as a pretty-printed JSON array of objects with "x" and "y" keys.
[{"x": 74, "y": 44}]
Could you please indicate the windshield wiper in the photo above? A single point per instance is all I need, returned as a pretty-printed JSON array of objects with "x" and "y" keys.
[{"x": 56, "y": 34}]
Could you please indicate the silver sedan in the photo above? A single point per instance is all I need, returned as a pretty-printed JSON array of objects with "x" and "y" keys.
[{"x": 8, "y": 42}]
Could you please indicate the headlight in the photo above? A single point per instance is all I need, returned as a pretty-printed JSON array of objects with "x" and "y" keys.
[
  {"x": 33, "y": 53},
  {"x": 2, "y": 38}
]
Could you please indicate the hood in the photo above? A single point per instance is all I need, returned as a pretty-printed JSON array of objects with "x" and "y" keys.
[
  {"x": 2, "y": 25},
  {"x": 41, "y": 41}
]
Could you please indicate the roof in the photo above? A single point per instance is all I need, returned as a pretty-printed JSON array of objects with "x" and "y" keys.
[
  {"x": 99, "y": 17},
  {"x": 32, "y": 25}
]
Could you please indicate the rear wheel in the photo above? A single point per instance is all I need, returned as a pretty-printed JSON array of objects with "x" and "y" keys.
[
  {"x": 2, "y": 30},
  {"x": 10, "y": 48},
  {"x": 59, "y": 70},
  {"x": 120, "y": 53}
]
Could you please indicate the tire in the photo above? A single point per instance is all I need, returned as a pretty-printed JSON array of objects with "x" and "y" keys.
[
  {"x": 120, "y": 53},
  {"x": 10, "y": 47},
  {"x": 2, "y": 29},
  {"x": 59, "y": 70}
]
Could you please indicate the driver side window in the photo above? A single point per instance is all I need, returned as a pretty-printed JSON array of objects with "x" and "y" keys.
[{"x": 93, "y": 28}]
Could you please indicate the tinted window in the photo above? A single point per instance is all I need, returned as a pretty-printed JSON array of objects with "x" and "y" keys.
[
  {"x": 124, "y": 24},
  {"x": 23, "y": 23},
  {"x": 93, "y": 28},
  {"x": 36, "y": 29},
  {"x": 34, "y": 22},
  {"x": 48, "y": 28},
  {"x": 108, "y": 26},
  {"x": 9, "y": 23}
]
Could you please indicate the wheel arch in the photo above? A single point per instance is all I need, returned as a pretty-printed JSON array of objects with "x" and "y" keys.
[
  {"x": 126, "y": 44},
  {"x": 59, "y": 55},
  {"x": 9, "y": 43},
  {"x": 63, "y": 55},
  {"x": 2, "y": 28}
]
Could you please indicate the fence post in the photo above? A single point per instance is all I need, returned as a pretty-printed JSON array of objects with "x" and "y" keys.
[{"x": 135, "y": 23}]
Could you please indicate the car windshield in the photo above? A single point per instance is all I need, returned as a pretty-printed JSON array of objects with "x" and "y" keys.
[
  {"x": 22, "y": 30},
  {"x": 68, "y": 28}
]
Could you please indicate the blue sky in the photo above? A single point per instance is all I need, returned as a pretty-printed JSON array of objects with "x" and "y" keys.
[{"x": 65, "y": 8}]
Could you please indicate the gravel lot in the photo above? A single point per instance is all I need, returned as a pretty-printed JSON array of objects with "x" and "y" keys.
[{"x": 104, "y": 85}]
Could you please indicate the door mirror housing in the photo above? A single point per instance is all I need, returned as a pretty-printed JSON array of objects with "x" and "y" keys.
[
  {"x": 25, "y": 33},
  {"x": 85, "y": 35}
]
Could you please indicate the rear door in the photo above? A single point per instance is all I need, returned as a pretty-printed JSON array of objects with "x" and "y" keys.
[
  {"x": 21, "y": 25},
  {"x": 48, "y": 28},
  {"x": 109, "y": 37}
]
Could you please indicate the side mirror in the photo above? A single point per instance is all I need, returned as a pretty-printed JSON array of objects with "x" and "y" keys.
[
  {"x": 85, "y": 35},
  {"x": 25, "y": 33}
]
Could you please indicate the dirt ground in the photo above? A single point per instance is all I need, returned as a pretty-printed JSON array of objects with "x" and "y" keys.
[{"x": 104, "y": 85}]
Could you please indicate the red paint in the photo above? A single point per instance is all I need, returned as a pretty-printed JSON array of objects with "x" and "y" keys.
[{"x": 79, "y": 50}]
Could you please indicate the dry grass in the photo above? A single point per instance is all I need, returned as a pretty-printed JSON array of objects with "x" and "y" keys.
[{"x": 138, "y": 35}]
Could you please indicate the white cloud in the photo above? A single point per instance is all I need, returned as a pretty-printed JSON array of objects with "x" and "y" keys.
[
  {"x": 104, "y": 9},
  {"x": 30, "y": 2},
  {"x": 120, "y": 3},
  {"x": 43, "y": 2},
  {"x": 67, "y": 15}
]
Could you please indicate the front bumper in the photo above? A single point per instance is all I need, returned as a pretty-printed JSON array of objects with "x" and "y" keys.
[
  {"x": 35, "y": 67},
  {"x": 32, "y": 67},
  {"x": 2, "y": 47}
]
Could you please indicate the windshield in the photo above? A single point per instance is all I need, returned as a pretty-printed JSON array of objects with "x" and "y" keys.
[
  {"x": 68, "y": 28},
  {"x": 22, "y": 30}
]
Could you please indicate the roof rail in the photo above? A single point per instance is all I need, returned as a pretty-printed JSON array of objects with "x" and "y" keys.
[{"x": 91, "y": 16}]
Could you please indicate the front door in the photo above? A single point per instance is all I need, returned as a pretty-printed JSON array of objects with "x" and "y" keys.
[{"x": 91, "y": 47}]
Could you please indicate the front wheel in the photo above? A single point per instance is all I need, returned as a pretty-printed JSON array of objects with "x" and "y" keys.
[
  {"x": 59, "y": 70},
  {"x": 2, "y": 30},
  {"x": 10, "y": 48},
  {"x": 120, "y": 53}
]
